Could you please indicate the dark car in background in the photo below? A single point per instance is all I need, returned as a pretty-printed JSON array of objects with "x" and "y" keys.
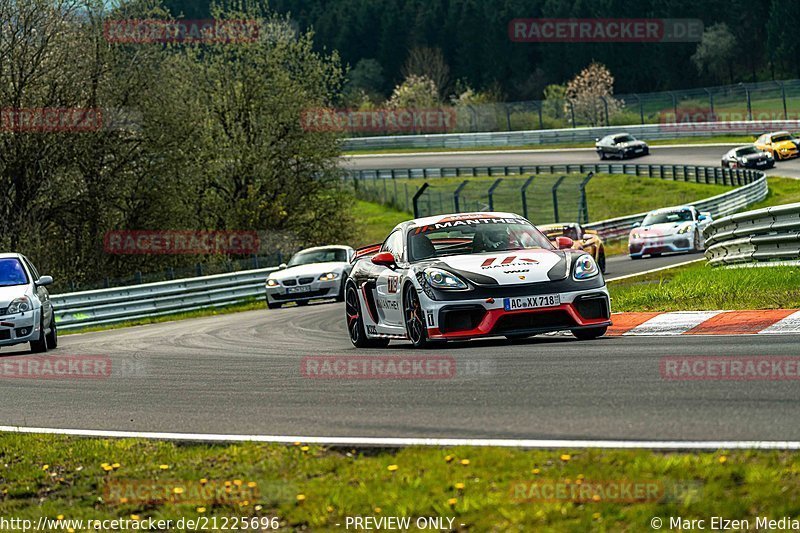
[
  {"x": 747, "y": 157},
  {"x": 621, "y": 145}
]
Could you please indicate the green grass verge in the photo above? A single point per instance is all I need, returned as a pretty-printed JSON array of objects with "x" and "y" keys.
[
  {"x": 744, "y": 139},
  {"x": 699, "y": 287},
  {"x": 373, "y": 222},
  {"x": 317, "y": 488}
]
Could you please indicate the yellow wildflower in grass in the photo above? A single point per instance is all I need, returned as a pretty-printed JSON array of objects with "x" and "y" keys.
[{"x": 392, "y": 468}]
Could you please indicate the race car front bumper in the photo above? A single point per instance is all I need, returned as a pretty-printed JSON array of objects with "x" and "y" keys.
[
  {"x": 678, "y": 242},
  {"x": 467, "y": 319},
  {"x": 312, "y": 291},
  {"x": 19, "y": 328}
]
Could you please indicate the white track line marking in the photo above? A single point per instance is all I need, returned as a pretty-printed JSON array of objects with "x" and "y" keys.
[
  {"x": 524, "y": 151},
  {"x": 656, "y": 269},
  {"x": 400, "y": 441}
]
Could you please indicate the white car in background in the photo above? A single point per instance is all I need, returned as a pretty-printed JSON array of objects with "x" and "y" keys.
[
  {"x": 26, "y": 313},
  {"x": 672, "y": 229},
  {"x": 311, "y": 274}
]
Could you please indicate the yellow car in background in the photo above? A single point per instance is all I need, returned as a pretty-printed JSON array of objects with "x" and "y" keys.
[
  {"x": 585, "y": 239},
  {"x": 780, "y": 144}
]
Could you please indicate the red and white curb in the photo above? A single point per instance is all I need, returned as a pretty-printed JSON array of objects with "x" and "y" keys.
[{"x": 768, "y": 322}]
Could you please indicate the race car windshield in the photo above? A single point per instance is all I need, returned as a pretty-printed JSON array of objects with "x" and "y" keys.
[
  {"x": 747, "y": 151},
  {"x": 327, "y": 255},
  {"x": 12, "y": 273},
  {"x": 667, "y": 217},
  {"x": 624, "y": 139},
  {"x": 781, "y": 138},
  {"x": 473, "y": 236}
]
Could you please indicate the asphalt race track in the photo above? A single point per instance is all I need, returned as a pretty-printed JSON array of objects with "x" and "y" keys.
[
  {"x": 704, "y": 155},
  {"x": 241, "y": 374}
]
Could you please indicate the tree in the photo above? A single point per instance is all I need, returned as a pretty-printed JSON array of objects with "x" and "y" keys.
[
  {"x": 590, "y": 94},
  {"x": 715, "y": 53},
  {"x": 416, "y": 92},
  {"x": 782, "y": 44},
  {"x": 364, "y": 81},
  {"x": 429, "y": 63}
]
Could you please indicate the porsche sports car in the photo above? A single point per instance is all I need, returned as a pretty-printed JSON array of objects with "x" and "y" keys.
[
  {"x": 311, "y": 274},
  {"x": 673, "y": 229},
  {"x": 621, "y": 145},
  {"x": 780, "y": 144},
  {"x": 748, "y": 157},
  {"x": 583, "y": 239},
  {"x": 467, "y": 275},
  {"x": 26, "y": 312}
]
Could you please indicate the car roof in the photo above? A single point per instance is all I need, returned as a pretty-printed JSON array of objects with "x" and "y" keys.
[
  {"x": 7, "y": 255},
  {"x": 463, "y": 216},
  {"x": 672, "y": 209},
  {"x": 314, "y": 248}
]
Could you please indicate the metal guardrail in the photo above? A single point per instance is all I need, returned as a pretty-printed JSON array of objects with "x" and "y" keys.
[
  {"x": 110, "y": 306},
  {"x": 648, "y": 132},
  {"x": 763, "y": 235}
]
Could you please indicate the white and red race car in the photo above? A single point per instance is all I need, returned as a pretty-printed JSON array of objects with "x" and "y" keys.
[{"x": 467, "y": 275}]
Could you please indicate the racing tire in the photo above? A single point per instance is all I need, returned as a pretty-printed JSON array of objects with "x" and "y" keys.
[
  {"x": 414, "y": 319},
  {"x": 302, "y": 303},
  {"x": 635, "y": 257},
  {"x": 40, "y": 344},
  {"x": 52, "y": 338},
  {"x": 696, "y": 244},
  {"x": 355, "y": 324},
  {"x": 601, "y": 261},
  {"x": 602, "y": 155},
  {"x": 275, "y": 305},
  {"x": 589, "y": 333},
  {"x": 340, "y": 296}
]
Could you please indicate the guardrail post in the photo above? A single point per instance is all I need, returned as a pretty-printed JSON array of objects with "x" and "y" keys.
[
  {"x": 641, "y": 108},
  {"x": 749, "y": 103},
  {"x": 674, "y": 105},
  {"x": 710, "y": 105},
  {"x": 419, "y": 193},
  {"x": 491, "y": 193},
  {"x": 555, "y": 198},
  {"x": 456, "y": 195},
  {"x": 541, "y": 122},
  {"x": 605, "y": 105},
  {"x": 583, "y": 208},
  {"x": 524, "y": 193},
  {"x": 783, "y": 97},
  {"x": 198, "y": 269}
]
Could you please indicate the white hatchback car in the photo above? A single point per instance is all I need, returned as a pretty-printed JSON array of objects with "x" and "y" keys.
[
  {"x": 672, "y": 229},
  {"x": 26, "y": 313},
  {"x": 311, "y": 274}
]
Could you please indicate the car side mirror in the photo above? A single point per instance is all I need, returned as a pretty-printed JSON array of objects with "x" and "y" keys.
[
  {"x": 636, "y": 224},
  {"x": 586, "y": 236},
  {"x": 282, "y": 266},
  {"x": 564, "y": 243},
  {"x": 701, "y": 217},
  {"x": 44, "y": 281},
  {"x": 384, "y": 259}
]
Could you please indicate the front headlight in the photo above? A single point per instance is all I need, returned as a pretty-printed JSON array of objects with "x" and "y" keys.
[
  {"x": 441, "y": 279},
  {"x": 685, "y": 229},
  {"x": 272, "y": 283},
  {"x": 330, "y": 276},
  {"x": 635, "y": 236},
  {"x": 20, "y": 305},
  {"x": 769, "y": 155},
  {"x": 585, "y": 267}
]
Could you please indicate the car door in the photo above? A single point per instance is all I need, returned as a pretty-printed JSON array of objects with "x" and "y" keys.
[
  {"x": 388, "y": 294},
  {"x": 41, "y": 293}
]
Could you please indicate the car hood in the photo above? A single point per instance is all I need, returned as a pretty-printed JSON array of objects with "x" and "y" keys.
[
  {"x": 756, "y": 157},
  {"x": 509, "y": 268},
  {"x": 632, "y": 144},
  {"x": 667, "y": 228},
  {"x": 7, "y": 294},
  {"x": 314, "y": 269},
  {"x": 788, "y": 145}
]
